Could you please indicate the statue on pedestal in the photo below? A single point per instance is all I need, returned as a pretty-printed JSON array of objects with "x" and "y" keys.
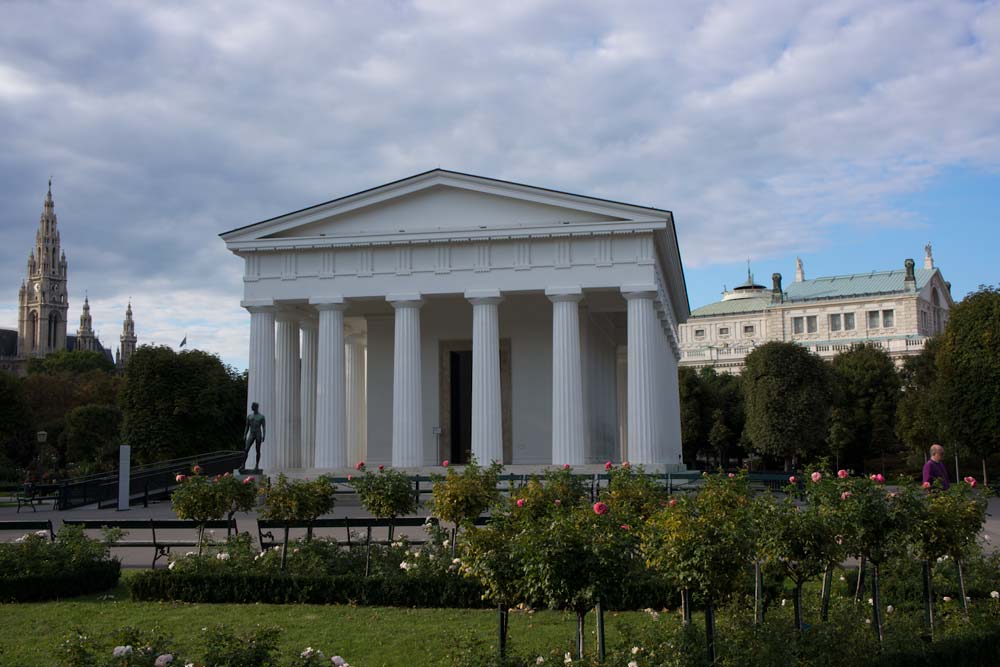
[{"x": 256, "y": 430}]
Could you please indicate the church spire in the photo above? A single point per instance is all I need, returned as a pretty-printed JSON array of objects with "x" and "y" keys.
[
  {"x": 42, "y": 317},
  {"x": 128, "y": 338}
]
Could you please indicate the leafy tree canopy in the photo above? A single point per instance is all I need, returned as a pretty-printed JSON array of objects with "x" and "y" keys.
[{"x": 73, "y": 362}]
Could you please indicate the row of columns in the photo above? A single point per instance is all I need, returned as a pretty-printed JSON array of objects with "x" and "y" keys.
[
  {"x": 313, "y": 396},
  {"x": 321, "y": 402}
]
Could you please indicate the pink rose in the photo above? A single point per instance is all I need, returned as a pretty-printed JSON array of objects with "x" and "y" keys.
[
  {"x": 180, "y": 478},
  {"x": 565, "y": 466},
  {"x": 557, "y": 502},
  {"x": 381, "y": 467},
  {"x": 672, "y": 502},
  {"x": 879, "y": 478},
  {"x": 845, "y": 495},
  {"x": 360, "y": 465},
  {"x": 842, "y": 474},
  {"x": 445, "y": 463},
  {"x": 228, "y": 474},
  {"x": 791, "y": 480},
  {"x": 732, "y": 475},
  {"x": 248, "y": 480},
  {"x": 625, "y": 526},
  {"x": 626, "y": 464},
  {"x": 197, "y": 470},
  {"x": 520, "y": 502},
  {"x": 600, "y": 508},
  {"x": 608, "y": 465},
  {"x": 971, "y": 481},
  {"x": 816, "y": 476},
  {"x": 350, "y": 477},
  {"x": 926, "y": 485},
  {"x": 217, "y": 478}
]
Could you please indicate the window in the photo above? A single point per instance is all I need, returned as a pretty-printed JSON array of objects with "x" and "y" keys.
[
  {"x": 873, "y": 319},
  {"x": 723, "y": 331},
  {"x": 888, "y": 319},
  {"x": 811, "y": 326},
  {"x": 848, "y": 321},
  {"x": 748, "y": 330},
  {"x": 797, "y": 325},
  {"x": 699, "y": 333},
  {"x": 835, "y": 322}
]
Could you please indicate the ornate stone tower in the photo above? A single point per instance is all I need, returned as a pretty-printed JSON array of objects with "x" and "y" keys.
[
  {"x": 128, "y": 339},
  {"x": 85, "y": 339},
  {"x": 41, "y": 325}
]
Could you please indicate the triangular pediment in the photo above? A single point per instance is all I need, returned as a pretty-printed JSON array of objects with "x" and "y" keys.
[{"x": 441, "y": 201}]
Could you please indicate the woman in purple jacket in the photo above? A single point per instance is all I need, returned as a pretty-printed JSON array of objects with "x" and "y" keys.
[{"x": 935, "y": 469}]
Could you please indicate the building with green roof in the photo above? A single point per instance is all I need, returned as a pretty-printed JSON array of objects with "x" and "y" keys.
[{"x": 896, "y": 309}]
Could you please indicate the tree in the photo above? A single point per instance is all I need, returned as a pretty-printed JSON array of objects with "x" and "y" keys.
[
  {"x": 694, "y": 421},
  {"x": 864, "y": 414},
  {"x": 786, "y": 390},
  {"x": 968, "y": 366},
  {"x": 92, "y": 435},
  {"x": 711, "y": 402},
  {"x": 15, "y": 424},
  {"x": 182, "y": 404},
  {"x": 72, "y": 362},
  {"x": 918, "y": 413}
]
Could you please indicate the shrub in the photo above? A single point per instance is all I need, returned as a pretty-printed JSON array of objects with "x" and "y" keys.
[
  {"x": 635, "y": 495},
  {"x": 226, "y": 648},
  {"x": 460, "y": 497},
  {"x": 33, "y": 568},
  {"x": 199, "y": 498},
  {"x": 386, "y": 494},
  {"x": 298, "y": 500}
]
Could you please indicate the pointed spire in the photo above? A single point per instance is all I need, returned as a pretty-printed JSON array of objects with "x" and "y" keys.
[
  {"x": 928, "y": 256},
  {"x": 800, "y": 273}
]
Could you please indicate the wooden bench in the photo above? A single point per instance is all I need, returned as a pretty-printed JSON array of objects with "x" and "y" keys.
[
  {"x": 34, "y": 494},
  {"x": 29, "y": 526},
  {"x": 160, "y": 544}
]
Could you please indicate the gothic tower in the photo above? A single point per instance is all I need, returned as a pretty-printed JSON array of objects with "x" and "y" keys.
[
  {"x": 128, "y": 339},
  {"x": 85, "y": 339},
  {"x": 43, "y": 303}
]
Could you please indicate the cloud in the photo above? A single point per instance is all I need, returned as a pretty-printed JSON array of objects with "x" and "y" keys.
[{"x": 767, "y": 127}]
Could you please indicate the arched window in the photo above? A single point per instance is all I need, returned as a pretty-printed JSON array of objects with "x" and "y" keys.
[{"x": 32, "y": 332}]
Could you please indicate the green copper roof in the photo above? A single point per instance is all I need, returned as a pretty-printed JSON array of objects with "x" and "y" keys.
[
  {"x": 858, "y": 284},
  {"x": 732, "y": 307},
  {"x": 820, "y": 289}
]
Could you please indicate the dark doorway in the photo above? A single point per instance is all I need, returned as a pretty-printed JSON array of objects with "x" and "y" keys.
[{"x": 461, "y": 405}]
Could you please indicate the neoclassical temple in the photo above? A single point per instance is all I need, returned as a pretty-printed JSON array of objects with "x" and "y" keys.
[{"x": 447, "y": 315}]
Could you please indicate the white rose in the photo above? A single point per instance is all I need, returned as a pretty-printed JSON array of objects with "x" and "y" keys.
[{"x": 995, "y": 594}]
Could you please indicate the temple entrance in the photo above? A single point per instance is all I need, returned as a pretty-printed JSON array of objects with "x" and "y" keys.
[{"x": 455, "y": 400}]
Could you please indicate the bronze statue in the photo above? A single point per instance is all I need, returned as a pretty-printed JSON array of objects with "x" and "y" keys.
[{"x": 255, "y": 432}]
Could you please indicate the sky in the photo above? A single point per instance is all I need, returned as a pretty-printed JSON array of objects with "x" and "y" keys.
[{"x": 845, "y": 132}]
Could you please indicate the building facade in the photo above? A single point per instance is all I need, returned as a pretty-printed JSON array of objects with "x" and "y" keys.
[
  {"x": 446, "y": 315},
  {"x": 896, "y": 310}
]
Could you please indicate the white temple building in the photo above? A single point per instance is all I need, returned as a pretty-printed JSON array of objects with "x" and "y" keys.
[{"x": 447, "y": 315}]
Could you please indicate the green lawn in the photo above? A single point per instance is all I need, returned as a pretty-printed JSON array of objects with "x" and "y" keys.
[{"x": 365, "y": 636}]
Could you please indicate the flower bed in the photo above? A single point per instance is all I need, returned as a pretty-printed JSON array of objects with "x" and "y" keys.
[{"x": 32, "y": 568}]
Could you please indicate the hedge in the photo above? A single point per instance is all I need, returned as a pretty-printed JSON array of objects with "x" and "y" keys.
[
  {"x": 404, "y": 590},
  {"x": 84, "y": 580}
]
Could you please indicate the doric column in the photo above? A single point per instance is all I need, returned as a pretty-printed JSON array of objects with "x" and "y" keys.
[
  {"x": 567, "y": 391},
  {"x": 621, "y": 387},
  {"x": 643, "y": 361},
  {"x": 331, "y": 433},
  {"x": 307, "y": 390},
  {"x": 487, "y": 428},
  {"x": 357, "y": 413},
  {"x": 260, "y": 383},
  {"x": 407, "y": 406},
  {"x": 286, "y": 393}
]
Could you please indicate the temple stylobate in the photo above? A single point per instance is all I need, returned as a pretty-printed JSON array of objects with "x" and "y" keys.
[{"x": 446, "y": 316}]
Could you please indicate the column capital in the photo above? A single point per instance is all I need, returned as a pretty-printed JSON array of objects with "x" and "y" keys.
[
  {"x": 336, "y": 302},
  {"x": 483, "y": 296},
  {"x": 281, "y": 315},
  {"x": 405, "y": 300},
  {"x": 557, "y": 294},
  {"x": 639, "y": 291},
  {"x": 259, "y": 305}
]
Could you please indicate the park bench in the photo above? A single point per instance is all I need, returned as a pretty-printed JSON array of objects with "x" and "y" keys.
[
  {"x": 161, "y": 544},
  {"x": 28, "y": 526},
  {"x": 36, "y": 494}
]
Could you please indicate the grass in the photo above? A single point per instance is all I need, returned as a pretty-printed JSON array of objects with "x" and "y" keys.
[{"x": 369, "y": 636}]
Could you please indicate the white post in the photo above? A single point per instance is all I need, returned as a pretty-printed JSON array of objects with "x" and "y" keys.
[
  {"x": 567, "y": 389},
  {"x": 407, "y": 403},
  {"x": 487, "y": 428},
  {"x": 331, "y": 427},
  {"x": 357, "y": 414},
  {"x": 260, "y": 387},
  {"x": 124, "y": 477},
  {"x": 643, "y": 363},
  {"x": 307, "y": 390},
  {"x": 286, "y": 394}
]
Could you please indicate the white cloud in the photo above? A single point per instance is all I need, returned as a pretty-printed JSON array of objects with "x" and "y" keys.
[{"x": 766, "y": 126}]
